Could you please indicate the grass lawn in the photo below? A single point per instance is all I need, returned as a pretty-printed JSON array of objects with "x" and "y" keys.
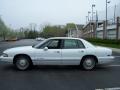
[
  {"x": 107, "y": 45},
  {"x": 105, "y": 42}
]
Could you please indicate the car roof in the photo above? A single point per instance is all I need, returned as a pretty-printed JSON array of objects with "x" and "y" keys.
[{"x": 64, "y": 38}]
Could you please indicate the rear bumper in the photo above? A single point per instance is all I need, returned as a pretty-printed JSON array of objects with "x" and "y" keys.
[
  {"x": 6, "y": 59},
  {"x": 105, "y": 60}
]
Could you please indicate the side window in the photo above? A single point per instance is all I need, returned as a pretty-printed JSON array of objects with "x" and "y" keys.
[
  {"x": 80, "y": 44},
  {"x": 54, "y": 44},
  {"x": 70, "y": 44},
  {"x": 45, "y": 44},
  {"x": 51, "y": 44}
]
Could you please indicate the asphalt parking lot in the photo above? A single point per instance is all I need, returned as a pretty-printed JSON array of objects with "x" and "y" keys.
[{"x": 57, "y": 77}]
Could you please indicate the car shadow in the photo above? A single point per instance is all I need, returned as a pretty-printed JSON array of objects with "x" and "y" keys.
[{"x": 46, "y": 68}]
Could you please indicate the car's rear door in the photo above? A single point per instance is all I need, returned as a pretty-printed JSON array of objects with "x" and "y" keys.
[{"x": 72, "y": 51}]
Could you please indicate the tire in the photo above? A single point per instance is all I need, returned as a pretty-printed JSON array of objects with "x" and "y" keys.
[
  {"x": 22, "y": 63},
  {"x": 88, "y": 63}
]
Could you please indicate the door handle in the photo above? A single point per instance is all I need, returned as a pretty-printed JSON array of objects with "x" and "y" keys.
[
  {"x": 57, "y": 51},
  {"x": 81, "y": 51}
]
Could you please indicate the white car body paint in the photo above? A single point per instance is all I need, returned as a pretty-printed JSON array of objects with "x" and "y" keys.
[{"x": 60, "y": 56}]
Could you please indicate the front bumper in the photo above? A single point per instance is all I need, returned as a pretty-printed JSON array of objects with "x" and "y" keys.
[
  {"x": 6, "y": 59},
  {"x": 105, "y": 60}
]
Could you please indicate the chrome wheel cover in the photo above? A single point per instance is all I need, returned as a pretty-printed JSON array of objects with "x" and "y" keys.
[
  {"x": 89, "y": 63},
  {"x": 22, "y": 64}
]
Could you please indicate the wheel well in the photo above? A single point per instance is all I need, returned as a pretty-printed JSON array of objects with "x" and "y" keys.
[
  {"x": 96, "y": 59},
  {"x": 23, "y": 55}
]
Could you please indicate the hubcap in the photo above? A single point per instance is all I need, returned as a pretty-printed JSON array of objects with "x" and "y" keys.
[
  {"x": 89, "y": 63},
  {"x": 22, "y": 64}
]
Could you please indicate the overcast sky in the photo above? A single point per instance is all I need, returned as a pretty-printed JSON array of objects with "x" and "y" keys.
[{"x": 19, "y": 13}]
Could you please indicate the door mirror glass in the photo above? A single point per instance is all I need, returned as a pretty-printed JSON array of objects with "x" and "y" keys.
[{"x": 46, "y": 48}]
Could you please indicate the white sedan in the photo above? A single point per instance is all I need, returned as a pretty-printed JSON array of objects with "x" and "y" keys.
[{"x": 58, "y": 51}]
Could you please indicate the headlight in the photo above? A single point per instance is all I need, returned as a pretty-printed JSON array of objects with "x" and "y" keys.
[{"x": 5, "y": 55}]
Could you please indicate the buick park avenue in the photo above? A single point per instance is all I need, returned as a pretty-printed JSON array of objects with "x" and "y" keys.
[{"x": 58, "y": 51}]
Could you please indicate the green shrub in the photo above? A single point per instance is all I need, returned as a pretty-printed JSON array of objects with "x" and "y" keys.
[{"x": 104, "y": 41}]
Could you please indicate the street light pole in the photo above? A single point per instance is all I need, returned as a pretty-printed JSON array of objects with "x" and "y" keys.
[
  {"x": 106, "y": 19},
  {"x": 86, "y": 19},
  {"x": 93, "y": 5},
  {"x": 68, "y": 32},
  {"x": 106, "y": 22},
  {"x": 96, "y": 24},
  {"x": 0, "y": 16},
  {"x": 89, "y": 16},
  {"x": 114, "y": 14},
  {"x": 77, "y": 30}
]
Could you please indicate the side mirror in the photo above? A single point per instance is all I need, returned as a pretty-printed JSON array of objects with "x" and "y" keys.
[
  {"x": 33, "y": 45},
  {"x": 46, "y": 48}
]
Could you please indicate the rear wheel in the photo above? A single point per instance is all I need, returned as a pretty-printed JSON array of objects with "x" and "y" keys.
[
  {"x": 22, "y": 63},
  {"x": 88, "y": 63}
]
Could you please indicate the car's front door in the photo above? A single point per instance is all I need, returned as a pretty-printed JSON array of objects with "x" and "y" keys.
[
  {"x": 72, "y": 52},
  {"x": 50, "y": 53}
]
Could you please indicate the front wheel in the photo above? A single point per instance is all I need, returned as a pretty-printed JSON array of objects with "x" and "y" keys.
[
  {"x": 88, "y": 63},
  {"x": 22, "y": 63}
]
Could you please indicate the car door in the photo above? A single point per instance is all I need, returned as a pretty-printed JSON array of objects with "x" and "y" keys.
[
  {"x": 50, "y": 53},
  {"x": 72, "y": 52}
]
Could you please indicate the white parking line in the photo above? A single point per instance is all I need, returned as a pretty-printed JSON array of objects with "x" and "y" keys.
[
  {"x": 116, "y": 88},
  {"x": 112, "y": 66}
]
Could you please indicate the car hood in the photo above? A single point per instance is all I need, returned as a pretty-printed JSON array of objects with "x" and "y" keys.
[{"x": 15, "y": 49}]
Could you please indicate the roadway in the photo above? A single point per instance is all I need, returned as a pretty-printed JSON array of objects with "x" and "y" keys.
[{"x": 57, "y": 77}]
